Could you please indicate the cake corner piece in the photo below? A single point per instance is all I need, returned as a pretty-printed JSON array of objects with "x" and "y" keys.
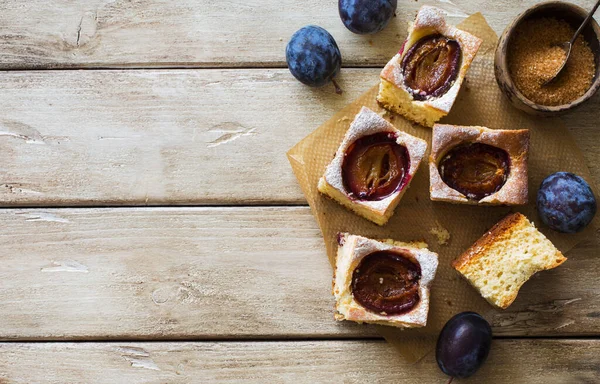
[{"x": 505, "y": 257}]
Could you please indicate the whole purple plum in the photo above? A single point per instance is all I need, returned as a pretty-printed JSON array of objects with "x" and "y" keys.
[
  {"x": 565, "y": 202},
  {"x": 366, "y": 16}
]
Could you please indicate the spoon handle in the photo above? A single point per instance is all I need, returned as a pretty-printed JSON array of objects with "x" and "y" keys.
[{"x": 585, "y": 22}]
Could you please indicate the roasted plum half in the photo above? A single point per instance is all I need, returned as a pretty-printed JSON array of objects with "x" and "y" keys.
[
  {"x": 476, "y": 170},
  {"x": 375, "y": 167},
  {"x": 387, "y": 282},
  {"x": 430, "y": 66}
]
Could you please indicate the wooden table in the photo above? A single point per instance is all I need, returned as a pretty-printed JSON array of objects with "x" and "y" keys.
[{"x": 152, "y": 230}]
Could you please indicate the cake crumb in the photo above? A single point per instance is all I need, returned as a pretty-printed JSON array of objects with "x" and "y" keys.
[
  {"x": 341, "y": 239},
  {"x": 442, "y": 234},
  {"x": 345, "y": 118},
  {"x": 381, "y": 280}
]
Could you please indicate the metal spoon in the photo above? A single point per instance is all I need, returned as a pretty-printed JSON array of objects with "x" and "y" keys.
[{"x": 567, "y": 46}]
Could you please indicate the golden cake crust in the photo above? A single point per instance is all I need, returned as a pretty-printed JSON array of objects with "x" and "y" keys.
[
  {"x": 514, "y": 142},
  {"x": 429, "y": 21},
  {"x": 502, "y": 232},
  {"x": 352, "y": 250},
  {"x": 499, "y": 231}
]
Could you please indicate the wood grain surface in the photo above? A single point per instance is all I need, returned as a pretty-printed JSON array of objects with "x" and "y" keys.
[
  {"x": 189, "y": 103},
  {"x": 158, "y": 137},
  {"x": 216, "y": 273},
  {"x": 548, "y": 362},
  {"x": 146, "y": 137},
  {"x": 205, "y": 33}
]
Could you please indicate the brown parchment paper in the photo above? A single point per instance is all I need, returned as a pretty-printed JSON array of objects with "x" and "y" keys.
[{"x": 480, "y": 102}]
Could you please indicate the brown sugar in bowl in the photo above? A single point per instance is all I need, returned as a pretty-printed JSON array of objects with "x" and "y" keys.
[{"x": 572, "y": 14}]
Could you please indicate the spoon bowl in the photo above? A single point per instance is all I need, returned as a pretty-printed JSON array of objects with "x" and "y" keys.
[{"x": 568, "y": 45}]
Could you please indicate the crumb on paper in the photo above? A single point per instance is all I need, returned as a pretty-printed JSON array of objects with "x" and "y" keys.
[
  {"x": 345, "y": 118},
  {"x": 381, "y": 280},
  {"x": 388, "y": 115},
  {"x": 442, "y": 234}
]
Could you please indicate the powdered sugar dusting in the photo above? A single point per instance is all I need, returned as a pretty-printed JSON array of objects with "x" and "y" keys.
[
  {"x": 430, "y": 17},
  {"x": 514, "y": 142},
  {"x": 430, "y": 20},
  {"x": 356, "y": 248},
  {"x": 367, "y": 123}
]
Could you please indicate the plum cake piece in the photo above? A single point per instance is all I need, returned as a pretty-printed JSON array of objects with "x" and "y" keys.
[
  {"x": 383, "y": 282},
  {"x": 505, "y": 257},
  {"x": 478, "y": 165},
  {"x": 422, "y": 80},
  {"x": 373, "y": 167}
]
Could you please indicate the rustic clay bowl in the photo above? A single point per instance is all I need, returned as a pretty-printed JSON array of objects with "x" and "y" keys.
[{"x": 564, "y": 11}]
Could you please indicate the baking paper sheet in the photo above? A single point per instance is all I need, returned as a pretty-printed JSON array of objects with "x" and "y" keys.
[{"x": 480, "y": 102}]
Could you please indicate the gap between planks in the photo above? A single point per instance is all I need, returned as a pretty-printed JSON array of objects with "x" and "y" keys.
[
  {"x": 266, "y": 340},
  {"x": 261, "y": 204},
  {"x": 198, "y": 67}
]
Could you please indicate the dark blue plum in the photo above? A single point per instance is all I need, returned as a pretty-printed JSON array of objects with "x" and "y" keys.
[
  {"x": 565, "y": 202},
  {"x": 313, "y": 56},
  {"x": 366, "y": 16},
  {"x": 463, "y": 344}
]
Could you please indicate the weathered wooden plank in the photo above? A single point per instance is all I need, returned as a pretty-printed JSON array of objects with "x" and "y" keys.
[
  {"x": 158, "y": 137},
  {"x": 172, "y": 136},
  {"x": 548, "y": 362},
  {"x": 214, "y": 273},
  {"x": 118, "y": 33}
]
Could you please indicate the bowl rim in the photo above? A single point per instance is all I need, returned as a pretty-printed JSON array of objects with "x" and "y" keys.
[{"x": 508, "y": 32}]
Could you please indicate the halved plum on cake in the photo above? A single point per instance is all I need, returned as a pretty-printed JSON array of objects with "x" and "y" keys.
[{"x": 383, "y": 281}]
